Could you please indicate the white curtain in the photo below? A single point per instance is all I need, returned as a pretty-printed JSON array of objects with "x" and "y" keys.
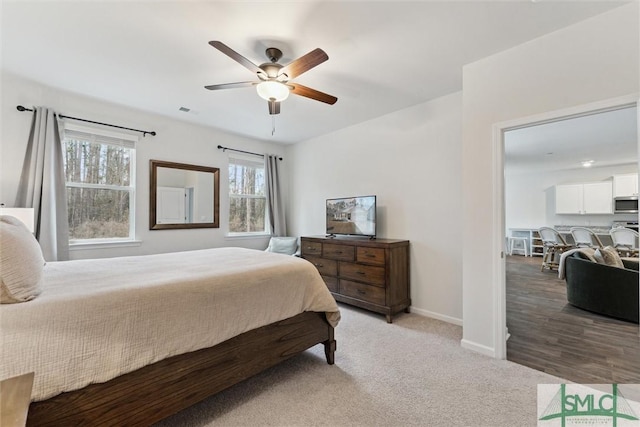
[
  {"x": 274, "y": 197},
  {"x": 42, "y": 185}
]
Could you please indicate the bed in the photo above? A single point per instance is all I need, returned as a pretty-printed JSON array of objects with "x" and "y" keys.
[{"x": 132, "y": 340}]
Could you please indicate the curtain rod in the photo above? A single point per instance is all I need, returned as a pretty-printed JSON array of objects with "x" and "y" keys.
[
  {"x": 220, "y": 147},
  {"x": 144, "y": 132}
]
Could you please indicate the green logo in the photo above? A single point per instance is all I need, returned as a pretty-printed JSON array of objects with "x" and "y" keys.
[{"x": 587, "y": 405}]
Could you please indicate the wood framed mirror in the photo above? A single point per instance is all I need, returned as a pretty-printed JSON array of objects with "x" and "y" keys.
[{"x": 183, "y": 196}]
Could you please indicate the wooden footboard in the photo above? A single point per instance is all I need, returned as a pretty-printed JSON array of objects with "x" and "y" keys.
[{"x": 154, "y": 392}]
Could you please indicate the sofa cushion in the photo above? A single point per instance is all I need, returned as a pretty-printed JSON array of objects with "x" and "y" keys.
[
  {"x": 631, "y": 263},
  {"x": 584, "y": 253},
  {"x": 611, "y": 257}
]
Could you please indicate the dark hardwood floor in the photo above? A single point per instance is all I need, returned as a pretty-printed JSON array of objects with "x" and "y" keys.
[{"x": 550, "y": 335}]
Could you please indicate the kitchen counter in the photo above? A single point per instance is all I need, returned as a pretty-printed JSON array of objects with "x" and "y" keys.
[
  {"x": 566, "y": 229},
  {"x": 601, "y": 231},
  {"x": 535, "y": 246}
]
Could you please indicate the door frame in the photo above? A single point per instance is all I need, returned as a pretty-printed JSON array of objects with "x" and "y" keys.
[{"x": 499, "y": 261}]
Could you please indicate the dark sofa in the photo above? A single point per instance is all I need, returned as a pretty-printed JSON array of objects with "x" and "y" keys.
[{"x": 601, "y": 288}]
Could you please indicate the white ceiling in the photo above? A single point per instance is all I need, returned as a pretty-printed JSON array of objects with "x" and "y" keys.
[
  {"x": 154, "y": 55},
  {"x": 608, "y": 138}
]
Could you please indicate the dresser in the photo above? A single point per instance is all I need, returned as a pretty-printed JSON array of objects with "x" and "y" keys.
[{"x": 370, "y": 274}]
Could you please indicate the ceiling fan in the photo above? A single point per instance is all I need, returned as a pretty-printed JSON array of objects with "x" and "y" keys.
[{"x": 275, "y": 79}]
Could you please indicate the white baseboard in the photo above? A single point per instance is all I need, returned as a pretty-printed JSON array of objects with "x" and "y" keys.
[
  {"x": 479, "y": 348},
  {"x": 470, "y": 345},
  {"x": 436, "y": 316}
]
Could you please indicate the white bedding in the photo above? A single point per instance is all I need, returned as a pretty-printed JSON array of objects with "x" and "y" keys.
[{"x": 97, "y": 319}]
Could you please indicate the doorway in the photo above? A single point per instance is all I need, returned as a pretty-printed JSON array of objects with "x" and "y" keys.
[{"x": 554, "y": 119}]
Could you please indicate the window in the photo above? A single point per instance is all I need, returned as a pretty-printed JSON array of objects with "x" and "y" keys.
[
  {"x": 99, "y": 168},
  {"x": 247, "y": 196}
]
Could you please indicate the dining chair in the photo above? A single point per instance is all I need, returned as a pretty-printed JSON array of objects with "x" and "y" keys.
[
  {"x": 625, "y": 241},
  {"x": 585, "y": 238},
  {"x": 554, "y": 245}
]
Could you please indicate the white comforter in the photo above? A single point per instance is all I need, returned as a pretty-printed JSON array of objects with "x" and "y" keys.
[{"x": 97, "y": 319}]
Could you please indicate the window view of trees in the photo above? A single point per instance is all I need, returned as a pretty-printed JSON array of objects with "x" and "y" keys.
[
  {"x": 99, "y": 189},
  {"x": 247, "y": 197}
]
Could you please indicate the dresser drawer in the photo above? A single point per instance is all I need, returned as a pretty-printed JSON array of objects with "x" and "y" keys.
[
  {"x": 364, "y": 273},
  {"x": 370, "y": 255},
  {"x": 326, "y": 267},
  {"x": 363, "y": 292},
  {"x": 371, "y": 274},
  {"x": 311, "y": 248},
  {"x": 339, "y": 252},
  {"x": 331, "y": 282}
]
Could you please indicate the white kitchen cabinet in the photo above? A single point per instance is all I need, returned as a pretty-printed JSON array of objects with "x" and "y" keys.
[
  {"x": 584, "y": 198},
  {"x": 569, "y": 198},
  {"x": 625, "y": 185},
  {"x": 598, "y": 198}
]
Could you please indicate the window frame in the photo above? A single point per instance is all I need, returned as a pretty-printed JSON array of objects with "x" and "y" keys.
[
  {"x": 240, "y": 159},
  {"x": 129, "y": 141}
]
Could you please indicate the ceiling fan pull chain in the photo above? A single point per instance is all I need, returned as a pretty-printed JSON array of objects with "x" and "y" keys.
[{"x": 273, "y": 125}]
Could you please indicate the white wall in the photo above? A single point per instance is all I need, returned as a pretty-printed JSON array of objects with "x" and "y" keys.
[
  {"x": 410, "y": 160},
  {"x": 176, "y": 141},
  {"x": 594, "y": 60},
  {"x": 530, "y": 197}
]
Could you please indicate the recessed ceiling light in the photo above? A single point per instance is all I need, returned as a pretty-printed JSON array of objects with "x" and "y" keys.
[{"x": 587, "y": 163}]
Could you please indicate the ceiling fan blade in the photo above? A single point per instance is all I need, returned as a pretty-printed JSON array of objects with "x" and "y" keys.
[
  {"x": 229, "y": 85},
  {"x": 274, "y": 107},
  {"x": 304, "y": 63},
  {"x": 307, "y": 92},
  {"x": 235, "y": 56}
]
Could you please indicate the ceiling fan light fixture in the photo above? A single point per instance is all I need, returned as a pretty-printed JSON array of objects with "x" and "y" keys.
[{"x": 273, "y": 91}]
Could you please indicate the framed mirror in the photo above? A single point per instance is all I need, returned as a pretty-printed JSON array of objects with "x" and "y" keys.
[{"x": 183, "y": 196}]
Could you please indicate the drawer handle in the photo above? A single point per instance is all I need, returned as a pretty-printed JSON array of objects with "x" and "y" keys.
[
  {"x": 361, "y": 292},
  {"x": 319, "y": 265},
  {"x": 338, "y": 252},
  {"x": 362, "y": 273},
  {"x": 370, "y": 255}
]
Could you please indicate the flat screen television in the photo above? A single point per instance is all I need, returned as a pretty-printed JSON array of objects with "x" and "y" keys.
[{"x": 353, "y": 216}]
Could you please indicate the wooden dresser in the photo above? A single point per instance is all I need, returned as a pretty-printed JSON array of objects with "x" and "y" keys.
[{"x": 371, "y": 274}]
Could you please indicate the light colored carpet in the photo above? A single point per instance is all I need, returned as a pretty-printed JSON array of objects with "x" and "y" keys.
[{"x": 409, "y": 373}]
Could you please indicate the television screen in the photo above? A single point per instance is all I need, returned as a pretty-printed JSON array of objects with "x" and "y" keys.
[{"x": 352, "y": 216}]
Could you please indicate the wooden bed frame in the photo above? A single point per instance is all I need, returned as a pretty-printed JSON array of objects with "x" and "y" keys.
[{"x": 164, "y": 388}]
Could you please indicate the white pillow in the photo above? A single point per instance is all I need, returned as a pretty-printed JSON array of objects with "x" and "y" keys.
[
  {"x": 597, "y": 255},
  {"x": 21, "y": 262},
  {"x": 283, "y": 245}
]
